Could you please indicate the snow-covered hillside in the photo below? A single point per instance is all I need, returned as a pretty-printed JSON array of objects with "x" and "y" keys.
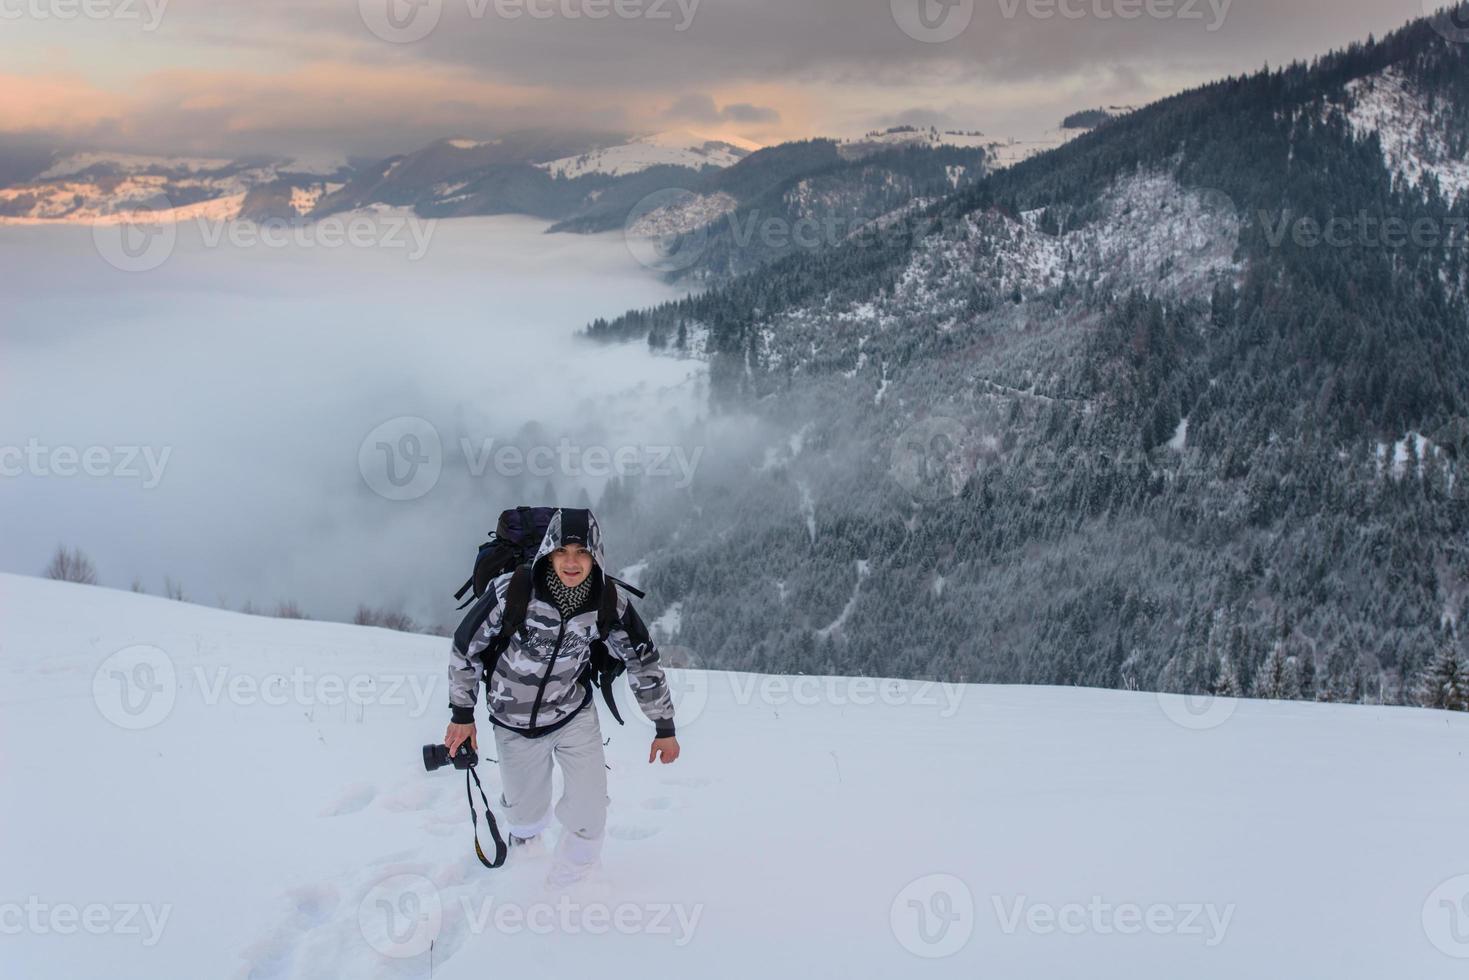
[
  {"x": 91, "y": 188},
  {"x": 1415, "y": 128},
  {"x": 196, "y": 793},
  {"x": 678, "y": 148}
]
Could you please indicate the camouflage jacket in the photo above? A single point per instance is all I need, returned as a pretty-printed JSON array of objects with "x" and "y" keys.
[{"x": 536, "y": 684}]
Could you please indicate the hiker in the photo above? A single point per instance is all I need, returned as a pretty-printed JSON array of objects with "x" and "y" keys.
[{"x": 540, "y": 692}]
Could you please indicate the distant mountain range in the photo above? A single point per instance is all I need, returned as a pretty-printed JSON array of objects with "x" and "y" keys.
[{"x": 582, "y": 180}]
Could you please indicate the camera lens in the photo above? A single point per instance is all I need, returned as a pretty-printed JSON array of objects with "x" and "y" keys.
[{"x": 435, "y": 757}]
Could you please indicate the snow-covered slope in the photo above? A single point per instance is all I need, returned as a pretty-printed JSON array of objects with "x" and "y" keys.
[
  {"x": 905, "y": 136},
  {"x": 678, "y": 148},
  {"x": 97, "y": 187},
  {"x": 1001, "y": 152},
  {"x": 197, "y": 793},
  {"x": 1415, "y": 129}
]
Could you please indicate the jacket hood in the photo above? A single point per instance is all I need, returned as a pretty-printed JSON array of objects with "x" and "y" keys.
[{"x": 567, "y": 526}]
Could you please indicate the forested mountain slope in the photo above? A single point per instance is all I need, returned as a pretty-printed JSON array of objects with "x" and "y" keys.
[{"x": 1183, "y": 404}]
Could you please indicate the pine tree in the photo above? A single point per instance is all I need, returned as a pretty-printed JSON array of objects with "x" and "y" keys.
[
  {"x": 1228, "y": 685},
  {"x": 1445, "y": 682},
  {"x": 1270, "y": 681}
]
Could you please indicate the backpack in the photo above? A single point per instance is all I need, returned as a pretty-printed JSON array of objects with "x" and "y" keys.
[{"x": 513, "y": 545}]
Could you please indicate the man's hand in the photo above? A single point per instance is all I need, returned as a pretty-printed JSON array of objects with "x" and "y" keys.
[
  {"x": 457, "y": 735},
  {"x": 665, "y": 747}
]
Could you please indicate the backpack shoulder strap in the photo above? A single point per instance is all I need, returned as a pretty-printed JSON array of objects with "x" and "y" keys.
[
  {"x": 517, "y": 601},
  {"x": 605, "y": 668},
  {"x": 607, "y": 609}
]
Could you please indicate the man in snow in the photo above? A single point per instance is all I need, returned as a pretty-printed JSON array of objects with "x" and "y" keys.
[{"x": 540, "y": 698}]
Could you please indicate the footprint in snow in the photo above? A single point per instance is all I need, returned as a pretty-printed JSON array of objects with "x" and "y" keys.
[
  {"x": 631, "y": 832},
  {"x": 658, "y": 803},
  {"x": 353, "y": 799}
]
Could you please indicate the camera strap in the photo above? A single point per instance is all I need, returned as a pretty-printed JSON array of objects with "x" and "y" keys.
[{"x": 494, "y": 828}]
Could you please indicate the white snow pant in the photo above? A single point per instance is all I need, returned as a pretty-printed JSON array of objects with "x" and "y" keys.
[{"x": 525, "y": 777}]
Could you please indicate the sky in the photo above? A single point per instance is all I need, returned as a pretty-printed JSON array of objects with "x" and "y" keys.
[{"x": 375, "y": 77}]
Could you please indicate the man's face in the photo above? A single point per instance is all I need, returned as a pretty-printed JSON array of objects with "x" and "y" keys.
[{"x": 573, "y": 564}]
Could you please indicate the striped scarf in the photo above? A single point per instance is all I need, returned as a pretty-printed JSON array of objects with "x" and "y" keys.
[{"x": 568, "y": 599}]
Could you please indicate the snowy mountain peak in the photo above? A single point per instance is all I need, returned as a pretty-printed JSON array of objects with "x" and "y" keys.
[{"x": 679, "y": 148}]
